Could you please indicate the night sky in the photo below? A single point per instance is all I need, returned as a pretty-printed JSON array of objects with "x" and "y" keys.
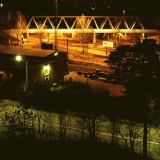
[{"x": 46, "y": 7}]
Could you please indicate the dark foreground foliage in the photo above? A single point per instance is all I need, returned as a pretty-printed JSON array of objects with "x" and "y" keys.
[{"x": 68, "y": 149}]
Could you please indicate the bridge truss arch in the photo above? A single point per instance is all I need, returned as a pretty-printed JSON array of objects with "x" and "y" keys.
[
  {"x": 100, "y": 24},
  {"x": 93, "y": 24}
]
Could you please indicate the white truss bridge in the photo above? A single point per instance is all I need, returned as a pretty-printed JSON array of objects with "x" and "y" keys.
[{"x": 93, "y": 24}]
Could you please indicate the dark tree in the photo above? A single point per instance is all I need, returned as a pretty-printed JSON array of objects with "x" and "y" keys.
[{"x": 140, "y": 88}]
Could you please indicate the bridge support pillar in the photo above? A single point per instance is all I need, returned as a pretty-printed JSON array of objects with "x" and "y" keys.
[
  {"x": 141, "y": 37},
  {"x": 27, "y": 36},
  {"x": 73, "y": 34},
  {"x": 94, "y": 38}
]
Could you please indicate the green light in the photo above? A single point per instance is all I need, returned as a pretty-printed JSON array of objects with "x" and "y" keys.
[
  {"x": 46, "y": 69},
  {"x": 18, "y": 58},
  {"x": 56, "y": 54}
]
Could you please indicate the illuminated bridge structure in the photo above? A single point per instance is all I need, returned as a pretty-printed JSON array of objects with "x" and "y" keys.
[{"x": 125, "y": 25}]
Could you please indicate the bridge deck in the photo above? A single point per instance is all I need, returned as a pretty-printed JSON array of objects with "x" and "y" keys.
[
  {"x": 91, "y": 31},
  {"x": 86, "y": 24}
]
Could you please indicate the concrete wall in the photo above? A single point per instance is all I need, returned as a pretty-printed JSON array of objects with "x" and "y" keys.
[{"x": 56, "y": 71}]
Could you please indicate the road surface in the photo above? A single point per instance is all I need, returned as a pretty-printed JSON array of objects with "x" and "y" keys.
[{"x": 114, "y": 89}]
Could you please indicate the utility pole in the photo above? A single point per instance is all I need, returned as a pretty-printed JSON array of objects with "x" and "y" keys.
[{"x": 67, "y": 47}]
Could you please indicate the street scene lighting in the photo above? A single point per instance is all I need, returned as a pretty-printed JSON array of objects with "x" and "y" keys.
[
  {"x": 124, "y": 12},
  {"x": 18, "y": 58},
  {"x": 1, "y": 5}
]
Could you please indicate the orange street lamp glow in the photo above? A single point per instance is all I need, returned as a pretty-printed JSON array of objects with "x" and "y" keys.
[{"x": 1, "y": 4}]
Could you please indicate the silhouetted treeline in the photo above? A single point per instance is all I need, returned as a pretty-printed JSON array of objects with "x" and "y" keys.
[{"x": 72, "y": 111}]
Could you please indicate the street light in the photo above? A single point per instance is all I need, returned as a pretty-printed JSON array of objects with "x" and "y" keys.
[
  {"x": 1, "y": 6},
  {"x": 124, "y": 12},
  {"x": 19, "y": 58}
]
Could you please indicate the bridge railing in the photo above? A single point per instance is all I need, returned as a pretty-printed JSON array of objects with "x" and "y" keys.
[{"x": 85, "y": 22}]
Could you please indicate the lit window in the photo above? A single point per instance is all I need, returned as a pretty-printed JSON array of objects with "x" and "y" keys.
[
  {"x": 46, "y": 70},
  {"x": 46, "y": 73}
]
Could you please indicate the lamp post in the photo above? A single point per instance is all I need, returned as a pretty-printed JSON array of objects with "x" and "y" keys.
[
  {"x": 1, "y": 6},
  {"x": 19, "y": 58}
]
